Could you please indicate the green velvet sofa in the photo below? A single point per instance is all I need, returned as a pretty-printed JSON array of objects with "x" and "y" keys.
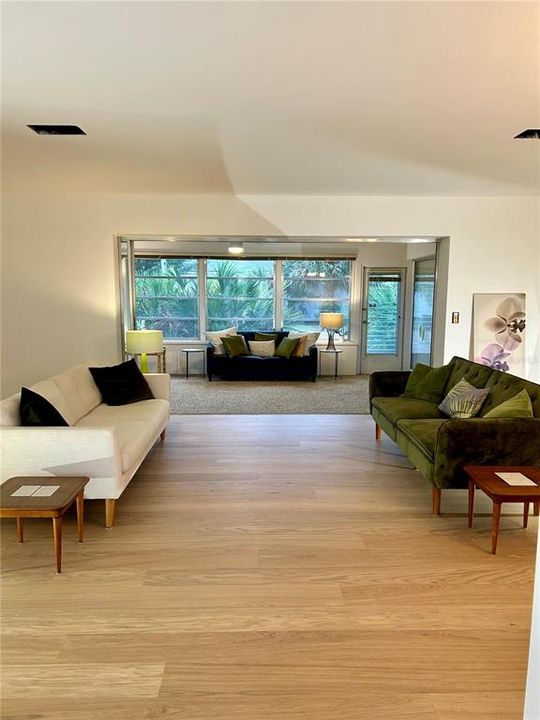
[{"x": 440, "y": 447}]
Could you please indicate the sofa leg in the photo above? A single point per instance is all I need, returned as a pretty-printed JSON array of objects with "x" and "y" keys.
[
  {"x": 437, "y": 495},
  {"x": 110, "y": 510},
  {"x": 378, "y": 432},
  {"x": 162, "y": 434},
  {"x": 537, "y": 508}
]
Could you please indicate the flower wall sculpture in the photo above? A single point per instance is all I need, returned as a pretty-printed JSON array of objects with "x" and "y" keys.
[{"x": 504, "y": 326}]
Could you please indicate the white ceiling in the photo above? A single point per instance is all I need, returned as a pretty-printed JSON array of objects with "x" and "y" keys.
[{"x": 395, "y": 98}]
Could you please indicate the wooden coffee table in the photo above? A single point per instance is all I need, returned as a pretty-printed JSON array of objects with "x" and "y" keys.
[
  {"x": 485, "y": 478},
  {"x": 69, "y": 490}
]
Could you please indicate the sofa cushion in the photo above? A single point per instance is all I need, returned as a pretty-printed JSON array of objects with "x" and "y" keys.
[
  {"x": 427, "y": 383},
  {"x": 121, "y": 384},
  {"x": 422, "y": 433},
  {"x": 518, "y": 406},
  {"x": 136, "y": 424},
  {"x": 215, "y": 336},
  {"x": 311, "y": 339},
  {"x": 50, "y": 390},
  {"x": 262, "y": 348},
  {"x": 78, "y": 390},
  {"x": 461, "y": 369},
  {"x": 286, "y": 347},
  {"x": 9, "y": 411},
  {"x": 503, "y": 386},
  {"x": 398, "y": 408},
  {"x": 235, "y": 345},
  {"x": 463, "y": 401},
  {"x": 37, "y": 411}
]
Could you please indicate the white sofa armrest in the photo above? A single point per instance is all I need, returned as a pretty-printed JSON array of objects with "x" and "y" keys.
[
  {"x": 89, "y": 451},
  {"x": 160, "y": 384}
]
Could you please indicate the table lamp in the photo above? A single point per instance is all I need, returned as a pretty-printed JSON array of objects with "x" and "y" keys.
[
  {"x": 331, "y": 322},
  {"x": 141, "y": 342}
]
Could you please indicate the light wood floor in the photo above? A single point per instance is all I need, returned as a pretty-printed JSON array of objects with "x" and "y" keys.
[{"x": 267, "y": 567}]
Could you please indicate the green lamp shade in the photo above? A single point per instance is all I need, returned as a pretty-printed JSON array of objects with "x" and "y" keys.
[{"x": 140, "y": 342}]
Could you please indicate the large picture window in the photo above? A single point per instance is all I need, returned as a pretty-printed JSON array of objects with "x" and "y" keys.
[
  {"x": 167, "y": 296},
  {"x": 240, "y": 293},
  {"x": 311, "y": 287},
  {"x": 184, "y": 297}
]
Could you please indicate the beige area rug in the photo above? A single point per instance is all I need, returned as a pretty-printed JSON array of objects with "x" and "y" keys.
[{"x": 196, "y": 396}]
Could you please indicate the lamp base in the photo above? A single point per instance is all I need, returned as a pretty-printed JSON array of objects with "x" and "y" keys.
[
  {"x": 331, "y": 334},
  {"x": 144, "y": 363}
]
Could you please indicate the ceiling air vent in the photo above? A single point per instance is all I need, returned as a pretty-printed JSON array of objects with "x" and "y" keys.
[
  {"x": 57, "y": 129},
  {"x": 530, "y": 134}
]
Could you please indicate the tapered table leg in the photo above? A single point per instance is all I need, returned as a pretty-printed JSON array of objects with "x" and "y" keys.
[
  {"x": 57, "y": 536},
  {"x": 525, "y": 514},
  {"x": 80, "y": 515},
  {"x": 471, "y": 502},
  {"x": 20, "y": 529},
  {"x": 495, "y": 526}
]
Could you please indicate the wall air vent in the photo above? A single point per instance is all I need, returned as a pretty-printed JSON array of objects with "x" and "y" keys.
[
  {"x": 530, "y": 134},
  {"x": 57, "y": 129}
]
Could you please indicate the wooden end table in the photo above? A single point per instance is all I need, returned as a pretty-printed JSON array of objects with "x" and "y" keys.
[
  {"x": 484, "y": 477},
  {"x": 69, "y": 490}
]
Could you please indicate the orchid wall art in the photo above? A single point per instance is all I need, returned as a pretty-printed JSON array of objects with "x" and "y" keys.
[{"x": 499, "y": 331}]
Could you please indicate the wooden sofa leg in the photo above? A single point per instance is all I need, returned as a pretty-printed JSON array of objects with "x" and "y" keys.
[
  {"x": 537, "y": 508},
  {"x": 110, "y": 510},
  {"x": 162, "y": 434},
  {"x": 437, "y": 495},
  {"x": 378, "y": 432}
]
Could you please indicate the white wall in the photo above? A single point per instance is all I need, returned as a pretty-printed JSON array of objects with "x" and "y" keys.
[{"x": 59, "y": 280}]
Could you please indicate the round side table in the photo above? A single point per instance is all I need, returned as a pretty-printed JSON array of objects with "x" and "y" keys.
[
  {"x": 336, "y": 354},
  {"x": 187, "y": 351}
]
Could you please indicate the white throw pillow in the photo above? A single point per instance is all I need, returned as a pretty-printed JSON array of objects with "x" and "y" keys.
[
  {"x": 214, "y": 338},
  {"x": 263, "y": 348},
  {"x": 311, "y": 339}
]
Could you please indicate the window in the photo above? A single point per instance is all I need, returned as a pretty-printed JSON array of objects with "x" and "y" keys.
[
  {"x": 176, "y": 294},
  {"x": 314, "y": 286},
  {"x": 383, "y": 312},
  {"x": 241, "y": 293},
  {"x": 167, "y": 296}
]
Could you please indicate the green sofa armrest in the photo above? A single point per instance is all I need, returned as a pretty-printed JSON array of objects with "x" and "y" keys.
[
  {"x": 480, "y": 441},
  {"x": 389, "y": 383}
]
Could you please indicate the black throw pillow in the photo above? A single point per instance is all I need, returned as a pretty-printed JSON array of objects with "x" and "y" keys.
[
  {"x": 121, "y": 384},
  {"x": 36, "y": 410}
]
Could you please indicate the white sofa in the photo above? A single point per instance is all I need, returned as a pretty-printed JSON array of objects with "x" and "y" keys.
[{"x": 105, "y": 443}]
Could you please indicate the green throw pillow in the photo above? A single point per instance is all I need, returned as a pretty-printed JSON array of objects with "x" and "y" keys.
[
  {"x": 427, "y": 383},
  {"x": 463, "y": 401},
  {"x": 519, "y": 406},
  {"x": 287, "y": 347},
  {"x": 235, "y": 345},
  {"x": 265, "y": 336}
]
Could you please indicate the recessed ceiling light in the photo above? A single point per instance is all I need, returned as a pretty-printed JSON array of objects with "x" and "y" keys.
[
  {"x": 236, "y": 248},
  {"x": 57, "y": 129},
  {"x": 530, "y": 134},
  {"x": 418, "y": 240}
]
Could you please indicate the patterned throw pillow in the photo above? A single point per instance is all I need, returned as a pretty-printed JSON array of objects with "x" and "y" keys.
[
  {"x": 463, "y": 400},
  {"x": 311, "y": 339},
  {"x": 215, "y": 338},
  {"x": 262, "y": 348}
]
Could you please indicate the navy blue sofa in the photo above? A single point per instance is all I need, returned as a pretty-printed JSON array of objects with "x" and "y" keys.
[{"x": 252, "y": 367}]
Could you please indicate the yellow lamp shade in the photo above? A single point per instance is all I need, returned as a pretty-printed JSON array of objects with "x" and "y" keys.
[
  {"x": 144, "y": 341},
  {"x": 331, "y": 320}
]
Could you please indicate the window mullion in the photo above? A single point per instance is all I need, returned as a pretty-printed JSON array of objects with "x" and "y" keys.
[
  {"x": 278, "y": 294},
  {"x": 201, "y": 274}
]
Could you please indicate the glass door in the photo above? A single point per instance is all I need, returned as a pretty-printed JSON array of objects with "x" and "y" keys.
[
  {"x": 382, "y": 319},
  {"x": 422, "y": 314}
]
